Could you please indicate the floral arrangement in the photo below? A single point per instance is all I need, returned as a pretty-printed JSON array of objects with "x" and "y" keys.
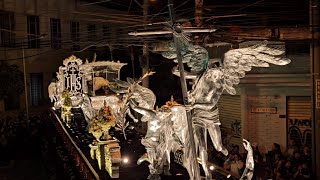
[{"x": 101, "y": 124}]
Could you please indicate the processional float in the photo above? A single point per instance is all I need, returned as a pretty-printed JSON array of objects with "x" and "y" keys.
[
  {"x": 76, "y": 88},
  {"x": 168, "y": 125}
]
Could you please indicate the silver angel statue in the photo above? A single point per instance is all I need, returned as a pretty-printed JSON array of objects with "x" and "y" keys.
[
  {"x": 160, "y": 138},
  {"x": 142, "y": 100},
  {"x": 156, "y": 141},
  {"x": 86, "y": 107},
  {"x": 210, "y": 84},
  {"x": 55, "y": 91},
  {"x": 167, "y": 132}
]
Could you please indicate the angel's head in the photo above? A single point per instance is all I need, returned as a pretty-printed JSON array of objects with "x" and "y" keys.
[{"x": 213, "y": 75}]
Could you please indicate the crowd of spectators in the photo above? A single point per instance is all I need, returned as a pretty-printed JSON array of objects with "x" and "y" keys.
[
  {"x": 17, "y": 133},
  {"x": 35, "y": 136},
  {"x": 294, "y": 163},
  {"x": 39, "y": 134}
]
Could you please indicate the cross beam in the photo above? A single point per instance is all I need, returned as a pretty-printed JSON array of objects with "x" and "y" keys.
[{"x": 191, "y": 30}]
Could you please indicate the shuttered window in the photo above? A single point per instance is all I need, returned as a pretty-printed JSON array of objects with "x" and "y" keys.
[
  {"x": 7, "y": 28},
  {"x": 75, "y": 35},
  {"x": 55, "y": 26},
  {"x": 36, "y": 83},
  {"x": 299, "y": 112},
  {"x": 33, "y": 29},
  {"x": 230, "y": 118}
]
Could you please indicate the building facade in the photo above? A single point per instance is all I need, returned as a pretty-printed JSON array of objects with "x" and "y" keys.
[
  {"x": 272, "y": 105},
  {"x": 38, "y": 35}
]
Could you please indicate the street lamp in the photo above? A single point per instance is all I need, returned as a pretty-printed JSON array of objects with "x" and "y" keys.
[{"x": 25, "y": 73}]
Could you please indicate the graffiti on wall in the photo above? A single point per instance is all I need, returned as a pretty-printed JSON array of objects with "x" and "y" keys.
[
  {"x": 231, "y": 135},
  {"x": 236, "y": 128},
  {"x": 300, "y": 131}
]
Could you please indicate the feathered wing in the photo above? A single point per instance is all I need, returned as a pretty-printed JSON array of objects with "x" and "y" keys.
[{"x": 238, "y": 61}]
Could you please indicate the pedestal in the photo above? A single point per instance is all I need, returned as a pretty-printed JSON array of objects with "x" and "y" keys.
[{"x": 108, "y": 156}]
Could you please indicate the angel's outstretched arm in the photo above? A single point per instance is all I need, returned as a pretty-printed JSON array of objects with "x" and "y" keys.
[{"x": 248, "y": 172}]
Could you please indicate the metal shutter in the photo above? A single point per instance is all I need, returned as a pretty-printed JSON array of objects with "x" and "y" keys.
[
  {"x": 230, "y": 118},
  {"x": 299, "y": 113}
]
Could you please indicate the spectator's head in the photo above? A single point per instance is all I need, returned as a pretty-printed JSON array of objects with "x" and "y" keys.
[
  {"x": 236, "y": 157},
  {"x": 276, "y": 146},
  {"x": 305, "y": 171},
  {"x": 306, "y": 150},
  {"x": 291, "y": 142},
  {"x": 296, "y": 155},
  {"x": 304, "y": 165},
  {"x": 281, "y": 164},
  {"x": 254, "y": 145},
  {"x": 288, "y": 164}
]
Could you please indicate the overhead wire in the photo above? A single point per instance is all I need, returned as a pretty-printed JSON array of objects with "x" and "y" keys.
[
  {"x": 129, "y": 6},
  {"x": 249, "y": 5},
  {"x": 132, "y": 39},
  {"x": 124, "y": 27},
  {"x": 26, "y": 57},
  {"x": 137, "y": 25},
  {"x": 136, "y": 15},
  {"x": 122, "y": 41},
  {"x": 86, "y": 4},
  {"x": 95, "y": 42},
  {"x": 87, "y": 32},
  {"x": 59, "y": 49}
]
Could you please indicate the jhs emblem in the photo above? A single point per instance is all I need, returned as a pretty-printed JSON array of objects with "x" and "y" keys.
[{"x": 72, "y": 76}]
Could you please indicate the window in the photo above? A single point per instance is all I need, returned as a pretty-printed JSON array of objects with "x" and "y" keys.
[
  {"x": 92, "y": 35},
  {"x": 36, "y": 83},
  {"x": 33, "y": 31},
  {"x": 91, "y": 32},
  {"x": 75, "y": 35},
  {"x": 7, "y": 26},
  {"x": 55, "y": 33},
  {"x": 106, "y": 32}
]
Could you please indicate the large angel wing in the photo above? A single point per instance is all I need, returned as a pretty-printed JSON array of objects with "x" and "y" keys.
[
  {"x": 209, "y": 86},
  {"x": 237, "y": 61}
]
